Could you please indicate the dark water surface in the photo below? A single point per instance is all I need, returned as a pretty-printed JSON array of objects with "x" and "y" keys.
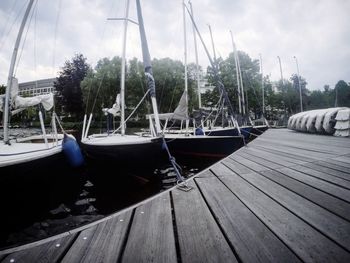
[
  {"x": 36, "y": 206},
  {"x": 58, "y": 199}
]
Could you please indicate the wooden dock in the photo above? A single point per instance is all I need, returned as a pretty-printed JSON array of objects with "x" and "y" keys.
[{"x": 283, "y": 198}]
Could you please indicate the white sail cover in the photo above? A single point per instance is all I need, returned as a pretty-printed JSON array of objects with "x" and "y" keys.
[
  {"x": 180, "y": 113},
  {"x": 115, "y": 108},
  {"x": 24, "y": 102}
]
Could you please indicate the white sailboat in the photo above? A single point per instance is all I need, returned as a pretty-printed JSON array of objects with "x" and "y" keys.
[
  {"x": 129, "y": 151},
  {"x": 187, "y": 142},
  {"x": 17, "y": 155}
]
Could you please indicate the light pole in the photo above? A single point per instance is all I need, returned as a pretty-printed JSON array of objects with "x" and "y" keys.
[
  {"x": 301, "y": 98},
  {"x": 283, "y": 91}
]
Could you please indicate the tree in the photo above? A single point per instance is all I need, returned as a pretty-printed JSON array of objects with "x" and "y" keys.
[
  {"x": 2, "y": 89},
  {"x": 101, "y": 86},
  {"x": 69, "y": 97},
  {"x": 343, "y": 94}
]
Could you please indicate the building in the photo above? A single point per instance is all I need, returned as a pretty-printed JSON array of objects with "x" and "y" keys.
[{"x": 37, "y": 87}]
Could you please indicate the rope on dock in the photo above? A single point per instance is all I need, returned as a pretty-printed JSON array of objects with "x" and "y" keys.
[{"x": 181, "y": 183}]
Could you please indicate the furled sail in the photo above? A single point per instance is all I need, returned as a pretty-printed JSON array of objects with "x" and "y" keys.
[
  {"x": 24, "y": 102},
  {"x": 180, "y": 113},
  {"x": 115, "y": 108},
  {"x": 19, "y": 102}
]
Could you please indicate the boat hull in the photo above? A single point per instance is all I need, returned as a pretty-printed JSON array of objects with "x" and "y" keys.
[
  {"x": 204, "y": 146},
  {"x": 245, "y": 131},
  {"x": 124, "y": 157}
]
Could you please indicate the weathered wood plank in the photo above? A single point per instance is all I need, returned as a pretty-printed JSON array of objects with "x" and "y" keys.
[
  {"x": 252, "y": 240},
  {"x": 291, "y": 143},
  {"x": 239, "y": 168},
  {"x": 259, "y": 163},
  {"x": 200, "y": 238},
  {"x": 302, "y": 150},
  {"x": 309, "y": 244},
  {"x": 322, "y": 185},
  {"x": 326, "y": 177},
  {"x": 100, "y": 243},
  {"x": 345, "y": 159},
  {"x": 252, "y": 165},
  {"x": 326, "y": 222},
  {"x": 313, "y": 139},
  {"x": 285, "y": 152},
  {"x": 219, "y": 169},
  {"x": 327, "y": 170},
  {"x": 277, "y": 158},
  {"x": 151, "y": 237},
  {"x": 323, "y": 199},
  {"x": 48, "y": 252},
  {"x": 329, "y": 163},
  {"x": 338, "y": 163},
  {"x": 269, "y": 161}
]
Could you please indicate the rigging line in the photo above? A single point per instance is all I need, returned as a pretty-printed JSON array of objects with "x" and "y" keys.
[
  {"x": 5, "y": 35},
  {"x": 212, "y": 111},
  {"x": 250, "y": 85},
  {"x": 220, "y": 85},
  {"x": 142, "y": 86},
  {"x": 98, "y": 91},
  {"x": 172, "y": 97},
  {"x": 137, "y": 106},
  {"x": 162, "y": 91},
  {"x": 102, "y": 36},
  {"x": 35, "y": 61},
  {"x": 25, "y": 38},
  {"x": 55, "y": 37}
]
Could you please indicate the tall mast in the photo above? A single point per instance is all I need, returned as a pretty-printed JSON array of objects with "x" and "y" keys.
[
  {"x": 185, "y": 54},
  {"x": 122, "y": 79},
  {"x": 148, "y": 67},
  {"x": 10, "y": 76},
  {"x": 237, "y": 74},
  {"x": 241, "y": 82},
  {"x": 197, "y": 66},
  {"x": 216, "y": 74},
  {"x": 262, "y": 85},
  {"x": 212, "y": 43}
]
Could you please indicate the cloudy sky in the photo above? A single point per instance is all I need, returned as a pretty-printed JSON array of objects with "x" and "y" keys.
[{"x": 317, "y": 32}]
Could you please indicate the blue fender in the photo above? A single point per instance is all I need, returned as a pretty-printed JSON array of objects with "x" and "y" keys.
[{"x": 72, "y": 151}]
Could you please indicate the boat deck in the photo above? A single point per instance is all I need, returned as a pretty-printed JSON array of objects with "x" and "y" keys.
[{"x": 283, "y": 198}]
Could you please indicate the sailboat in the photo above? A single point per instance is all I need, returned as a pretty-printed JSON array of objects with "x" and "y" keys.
[
  {"x": 194, "y": 142},
  {"x": 34, "y": 152},
  {"x": 128, "y": 151},
  {"x": 243, "y": 119},
  {"x": 229, "y": 126}
]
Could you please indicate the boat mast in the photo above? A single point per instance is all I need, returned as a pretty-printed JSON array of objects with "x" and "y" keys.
[
  {"x": 148, "y": 67},
  {"x": 262, "y": 85},
  {"x": 185, "y": 59},
  {"x": 10, "y": 76},
  {"x": 240, "y": 80},
  {"x": 216, "y": 73},
  {"x": 212, "y": 43},
  {"x": 196, "y": 54},
  {"x": 237, "y": 74},
  {"x": 122, "y": 79}
]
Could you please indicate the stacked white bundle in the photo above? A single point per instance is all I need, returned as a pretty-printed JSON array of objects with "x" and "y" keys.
[
  {"x": 322, "y": 121},
  {"x": 342, "y": 127}
]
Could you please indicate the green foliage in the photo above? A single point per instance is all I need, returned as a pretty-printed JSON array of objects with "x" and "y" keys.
[
  {"x": 2, "y": 89},
  {"x": 101, "y": 85},
  {"x": 69, "y": 97},
  {"x": 342, "y": 90}
]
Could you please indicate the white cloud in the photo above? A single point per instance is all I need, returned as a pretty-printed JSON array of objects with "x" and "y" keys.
[{"x": 316, "y": 31}]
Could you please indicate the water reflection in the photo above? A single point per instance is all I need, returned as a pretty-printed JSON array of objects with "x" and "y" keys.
[{"x": 36, "y": 206}]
